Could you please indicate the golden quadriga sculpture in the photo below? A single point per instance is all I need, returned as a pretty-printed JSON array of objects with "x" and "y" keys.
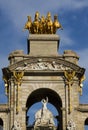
[{"x": 42, "y": 25}]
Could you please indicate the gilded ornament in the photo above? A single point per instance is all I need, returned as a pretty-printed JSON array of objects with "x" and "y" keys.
[
  {"x": 6, "y": 84},
  {"x": 56, "y": 24},
  {"x": 69, "y": 75},
  {"x": 28, "y": 24},
  {"x": 18, "y": 76},
  {"x": 18, "y": 80},
  {"x": 81, "y": 83},
  {"x": 42, "y": 25}
]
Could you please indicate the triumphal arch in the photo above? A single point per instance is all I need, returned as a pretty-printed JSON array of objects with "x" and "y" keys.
[{"x": 43, "y": 75}]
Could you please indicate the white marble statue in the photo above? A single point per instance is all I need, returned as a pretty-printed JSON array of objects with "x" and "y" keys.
[
  {"x": 44, "y": 102},
  {"x": 44, "y": 116}
]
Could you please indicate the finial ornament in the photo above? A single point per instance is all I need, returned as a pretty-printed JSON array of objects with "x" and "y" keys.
[{"x": 43, "y": 25}]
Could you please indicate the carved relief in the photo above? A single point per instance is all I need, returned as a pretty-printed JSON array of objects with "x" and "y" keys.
[
  {"x": 71, "y": 125},
  {"x": 17, "y": 125},
  {"x": 43, "y": 66}
]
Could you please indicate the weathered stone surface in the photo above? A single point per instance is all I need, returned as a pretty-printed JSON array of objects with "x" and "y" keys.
[
  {"x": 43, "y": 45},
  {"x": 44, "y": 76}
]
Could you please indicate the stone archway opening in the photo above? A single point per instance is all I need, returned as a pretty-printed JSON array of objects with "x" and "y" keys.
[
  {"x": 54, "y": 103},
  {"x": 86, "y": 124},
  {"x": 1, "y": 124}
]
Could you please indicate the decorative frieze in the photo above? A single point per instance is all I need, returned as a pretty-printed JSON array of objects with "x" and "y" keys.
[{"x": 43, "y": 66}]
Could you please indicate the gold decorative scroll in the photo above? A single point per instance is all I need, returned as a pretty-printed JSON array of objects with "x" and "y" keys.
[
  {"x": 18, "y": 80},
  {"x": 69, "y": 75},
  {"x": 42, "y": 25}
]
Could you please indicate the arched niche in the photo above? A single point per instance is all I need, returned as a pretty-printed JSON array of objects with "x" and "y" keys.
[
  {"x": 86, "y": 121},
  {"x": 1, "y": 124},
  {"x": 54, "y": 99},
  {"x": 86, "y": 124}
]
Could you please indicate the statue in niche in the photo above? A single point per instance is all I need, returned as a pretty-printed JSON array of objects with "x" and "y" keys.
[{"x": 44, "y": 116}]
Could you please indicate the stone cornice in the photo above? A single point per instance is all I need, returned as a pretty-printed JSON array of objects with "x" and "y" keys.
[
  {"x": 37, "y": 37},
  {"x": 4, "y": 108},
  {"x": 82, "y": 108}
]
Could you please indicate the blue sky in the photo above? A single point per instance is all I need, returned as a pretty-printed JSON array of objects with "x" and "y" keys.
[{"x": 73, "y": 15}]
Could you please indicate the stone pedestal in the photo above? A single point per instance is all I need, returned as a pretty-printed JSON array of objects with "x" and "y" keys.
[
  {"x": 43, "y": 45},
  {"x": 45, "y": 128}
]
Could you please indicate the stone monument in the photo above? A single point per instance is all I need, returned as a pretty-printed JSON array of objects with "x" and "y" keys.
[{"x": 40, "y": 73}]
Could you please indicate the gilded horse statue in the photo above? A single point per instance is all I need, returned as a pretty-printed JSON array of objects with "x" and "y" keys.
[
  {"x": 28, "y": 24},
  {"x": 36, "y": 23},
  {"x": 43, "y": 25},
  {"x": 56, "y": 24},
  {"x": 49, "y": 24}
]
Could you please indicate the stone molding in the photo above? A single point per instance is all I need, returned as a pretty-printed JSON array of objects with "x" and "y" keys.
[
  {"x": 45, "y": 37},
  {"x": 82, "y": 108},
  {"x": 4, "y": 108}
]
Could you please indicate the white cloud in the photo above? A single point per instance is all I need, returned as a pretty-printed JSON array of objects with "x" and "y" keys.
[
  {"x": 18, "y": 10},
  {"x": 83, "y": 62},
  {"x": 75, "y": 4},
  {"x": 83, "y": 57},
  {"x": 65, "y": 38},
  {"x": 3, "y": 63}
]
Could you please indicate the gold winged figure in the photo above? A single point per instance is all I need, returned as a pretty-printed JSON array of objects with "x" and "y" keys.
[
  {"x": 69, "y": 75},
  {"x": 18, "y": 75}
]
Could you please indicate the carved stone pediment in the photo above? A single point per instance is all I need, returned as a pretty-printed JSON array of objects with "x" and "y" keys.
[
  {"x": 53, "y": 66},
  {"x": 43, "y": 64}
]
